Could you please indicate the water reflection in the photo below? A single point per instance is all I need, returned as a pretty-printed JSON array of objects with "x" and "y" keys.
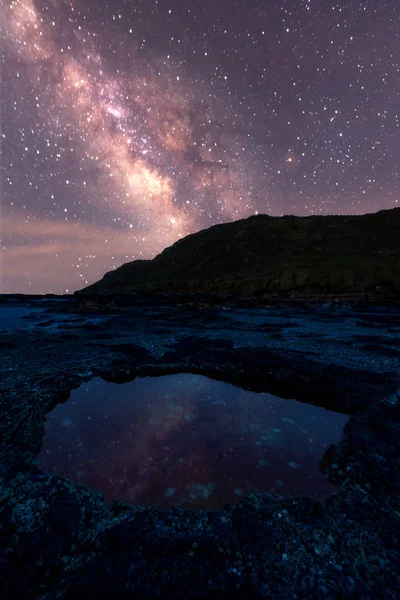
[{"x": 186, "y": 440}]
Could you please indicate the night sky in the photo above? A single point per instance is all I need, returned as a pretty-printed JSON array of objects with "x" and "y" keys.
[{"x": 129, "y": 124}]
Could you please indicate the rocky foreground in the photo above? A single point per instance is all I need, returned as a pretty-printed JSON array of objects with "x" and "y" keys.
[
  {"x": 62, "y": 541},
  {"x": 313, "y": 256}
]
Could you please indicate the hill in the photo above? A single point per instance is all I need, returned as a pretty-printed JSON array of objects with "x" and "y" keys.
[{"x": 261, "y": 255}]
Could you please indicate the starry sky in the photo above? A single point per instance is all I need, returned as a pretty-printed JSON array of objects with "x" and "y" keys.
[{"x": 128, "y": 124}]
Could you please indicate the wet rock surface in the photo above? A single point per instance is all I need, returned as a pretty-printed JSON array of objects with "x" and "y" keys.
[{"x": 60, "y": 540}]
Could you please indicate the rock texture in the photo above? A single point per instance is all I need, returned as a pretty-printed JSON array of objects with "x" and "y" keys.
[
  {"x": 261, "y": 255},
  {"x": 60, "y": 540}
]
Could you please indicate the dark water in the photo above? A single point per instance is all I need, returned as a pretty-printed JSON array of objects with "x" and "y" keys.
[
  {"x": 12, "y": 317},
  {"x": 188, "y": 441},
  {"x": 28, "y": 313},
  {"x": 48, "y": 316}
]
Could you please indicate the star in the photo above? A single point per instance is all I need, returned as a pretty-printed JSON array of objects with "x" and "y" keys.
[{"x": 148, "y": 125}]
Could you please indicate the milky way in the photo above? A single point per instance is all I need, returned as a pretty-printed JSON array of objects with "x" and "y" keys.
[{"x": 129, "y": 125}]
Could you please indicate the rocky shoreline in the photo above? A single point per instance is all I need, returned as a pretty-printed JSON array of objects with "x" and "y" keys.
[{"x": 60, "y": 540}]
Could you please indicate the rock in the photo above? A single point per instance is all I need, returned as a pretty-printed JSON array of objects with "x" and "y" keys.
[{"x": 61, "y": 540}]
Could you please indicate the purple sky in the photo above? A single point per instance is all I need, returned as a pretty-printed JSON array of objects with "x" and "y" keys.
[{"x": 127, "y": 125}]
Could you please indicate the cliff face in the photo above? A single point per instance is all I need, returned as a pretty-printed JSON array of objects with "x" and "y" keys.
[{"x": 263, "y": 254}]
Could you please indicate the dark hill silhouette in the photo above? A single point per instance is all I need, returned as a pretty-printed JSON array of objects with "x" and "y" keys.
[{"x": 261, "y": 255}]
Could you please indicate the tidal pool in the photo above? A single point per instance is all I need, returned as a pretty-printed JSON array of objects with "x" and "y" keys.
[{"x": 188, "y": 441}]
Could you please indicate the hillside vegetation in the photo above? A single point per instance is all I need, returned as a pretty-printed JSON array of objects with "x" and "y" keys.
[{"x": 262, "y": 255}]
